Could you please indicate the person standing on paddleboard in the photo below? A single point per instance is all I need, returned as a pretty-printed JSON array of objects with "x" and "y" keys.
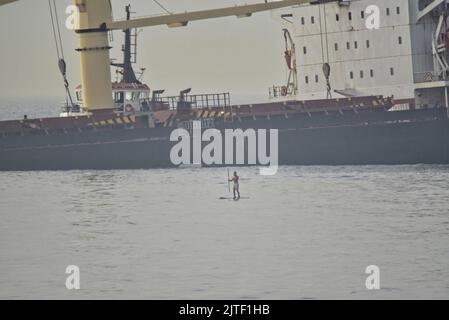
[{"x": 235, "y": 180}]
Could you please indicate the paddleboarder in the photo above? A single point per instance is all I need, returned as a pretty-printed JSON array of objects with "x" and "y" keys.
[{"x": 235, "y": 179}]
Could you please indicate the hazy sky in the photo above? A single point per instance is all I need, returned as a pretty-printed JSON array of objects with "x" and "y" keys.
[{"x": 243, "y": 56}]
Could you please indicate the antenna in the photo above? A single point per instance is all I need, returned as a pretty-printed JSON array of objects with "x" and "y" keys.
[{"x": 129, "y": 49}]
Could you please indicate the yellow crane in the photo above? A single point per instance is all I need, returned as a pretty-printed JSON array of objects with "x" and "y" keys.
[{"x": 94, "y": 19}]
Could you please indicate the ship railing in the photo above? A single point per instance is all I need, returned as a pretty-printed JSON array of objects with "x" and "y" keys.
[{"x": 196, "y": 101}]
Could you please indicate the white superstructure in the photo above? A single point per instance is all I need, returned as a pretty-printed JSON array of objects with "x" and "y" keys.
[{"x": 374, "y": 47}]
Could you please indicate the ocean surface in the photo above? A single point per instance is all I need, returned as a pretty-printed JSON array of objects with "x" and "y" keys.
[{"x": 304, "y": 233}]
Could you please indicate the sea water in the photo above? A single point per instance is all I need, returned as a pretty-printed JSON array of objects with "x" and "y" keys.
[{"x": 304, "y": 233}]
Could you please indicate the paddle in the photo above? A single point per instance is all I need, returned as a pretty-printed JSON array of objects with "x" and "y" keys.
[{"x": 229, "y": 185}]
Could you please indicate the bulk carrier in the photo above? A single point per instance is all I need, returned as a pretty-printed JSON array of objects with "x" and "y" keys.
[{"x": 368, "y": 84}]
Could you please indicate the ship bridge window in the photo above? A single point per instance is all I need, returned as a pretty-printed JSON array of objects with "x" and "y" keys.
[
  {"x": 136, "y": 96},
  {"x": 119, "y": 97},
  {"x": 128, "y": 95},
  {"x": 144, "y": 95}
]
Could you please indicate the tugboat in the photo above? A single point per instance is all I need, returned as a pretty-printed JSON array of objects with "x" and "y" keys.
[{"x": 364, "y": 120}]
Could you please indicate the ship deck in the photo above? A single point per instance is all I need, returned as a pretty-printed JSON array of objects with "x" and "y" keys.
[{"x": 167, "y": 118}]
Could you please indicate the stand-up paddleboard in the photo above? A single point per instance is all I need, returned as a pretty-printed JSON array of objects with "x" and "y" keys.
[{"x": 232, "y": 198}]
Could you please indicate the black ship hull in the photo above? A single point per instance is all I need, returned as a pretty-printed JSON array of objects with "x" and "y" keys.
[{"x": 368, "y": 138}]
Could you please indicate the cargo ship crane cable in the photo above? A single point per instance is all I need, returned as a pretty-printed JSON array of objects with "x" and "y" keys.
[
  {"x": 60, "y": 50},
  {"x": 321, "y": 34},
  {"x": 162, "y": 7},
  {"x": 326, "y": 65},
  {"x": 290, "y": 58}
]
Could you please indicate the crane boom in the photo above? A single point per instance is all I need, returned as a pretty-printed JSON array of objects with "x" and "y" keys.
[{"x": 181, "y": 19}]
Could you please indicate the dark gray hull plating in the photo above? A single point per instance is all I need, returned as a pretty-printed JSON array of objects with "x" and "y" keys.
[{"x": 370, "y": 138}]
